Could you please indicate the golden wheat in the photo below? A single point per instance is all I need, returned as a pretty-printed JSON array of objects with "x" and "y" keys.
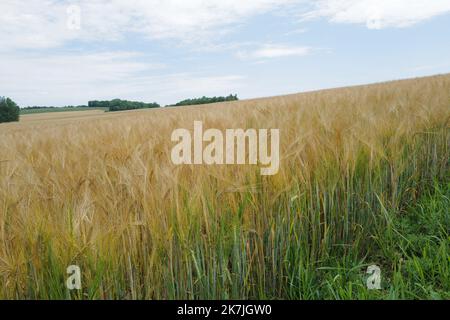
[{"x": 100, "y": 190}]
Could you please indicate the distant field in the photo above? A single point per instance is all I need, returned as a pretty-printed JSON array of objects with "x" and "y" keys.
[
  {"x": 364, "y": 180},
  {"x": 62, "y": 109},
  {"x": 44, "y": 117}
]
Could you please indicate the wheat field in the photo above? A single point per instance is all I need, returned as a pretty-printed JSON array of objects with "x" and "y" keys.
[{"x": 99, "y": 190}]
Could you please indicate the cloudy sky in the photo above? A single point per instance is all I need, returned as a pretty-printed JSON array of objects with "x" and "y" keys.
[{"x": 64, "y": 52}]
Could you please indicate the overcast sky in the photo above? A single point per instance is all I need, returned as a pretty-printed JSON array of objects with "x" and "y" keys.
[{"x": 68, "y": 52}]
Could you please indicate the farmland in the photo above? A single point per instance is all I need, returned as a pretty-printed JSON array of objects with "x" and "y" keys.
[
  {"x": 363, "y": 180},
  {"x": 62, "y": 109}
]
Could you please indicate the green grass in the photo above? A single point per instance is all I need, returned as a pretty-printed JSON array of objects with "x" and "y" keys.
[{"x": 413, "y": 252}]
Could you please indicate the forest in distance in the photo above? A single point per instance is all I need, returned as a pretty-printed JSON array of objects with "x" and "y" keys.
[{"x": 122, "y": 105}]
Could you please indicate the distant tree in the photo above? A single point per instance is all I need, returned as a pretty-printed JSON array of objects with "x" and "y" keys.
[
  {"x": 206, "y": 100},
  {"x": 38, "y": 107},
  {"x": 98, "y": 104},
  {"x": 122, "y": 105},
  {"x": 9, "y": 111}
]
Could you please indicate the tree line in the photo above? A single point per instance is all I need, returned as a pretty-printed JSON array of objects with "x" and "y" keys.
[
  {"x": 51, "y": 107},
  {"x": 122, "y": 105},
  {"x": 206, "y": 100},
  {"x": 9, "y": 110}
]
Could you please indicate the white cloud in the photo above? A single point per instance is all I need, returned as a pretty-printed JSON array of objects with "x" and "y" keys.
[
  {"x": 72, "y": 79},
  {"x": 32, "y": 24},
  {"x": 430, "y": 67},
  {"x": 43, "y": 23},
  {"x": 296, "y": 31},
  {"x": 378, "y": 14},
  {"x": 269, "y": 51}
]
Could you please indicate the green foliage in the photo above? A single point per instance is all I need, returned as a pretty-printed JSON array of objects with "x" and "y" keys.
[
  {"x": 121, "y": 105},
  {"x": 206, "y": 100},
  {"x": 412, "y": 250},
  {"x": 416, "y": 246},
  {"x": 9, "y": 111}
]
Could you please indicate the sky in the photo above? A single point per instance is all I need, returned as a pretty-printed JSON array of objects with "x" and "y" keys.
[{"x": 68, "y": 52}]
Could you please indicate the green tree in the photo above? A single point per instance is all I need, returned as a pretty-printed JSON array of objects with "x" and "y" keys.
[
  {"x": 9, "y": 111},
  {"x": 122, "y": 105},
  {"x": 207, "y": 100}
]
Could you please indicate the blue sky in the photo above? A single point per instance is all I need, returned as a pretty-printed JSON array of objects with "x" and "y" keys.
[{"x": 68, "y": 52}]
